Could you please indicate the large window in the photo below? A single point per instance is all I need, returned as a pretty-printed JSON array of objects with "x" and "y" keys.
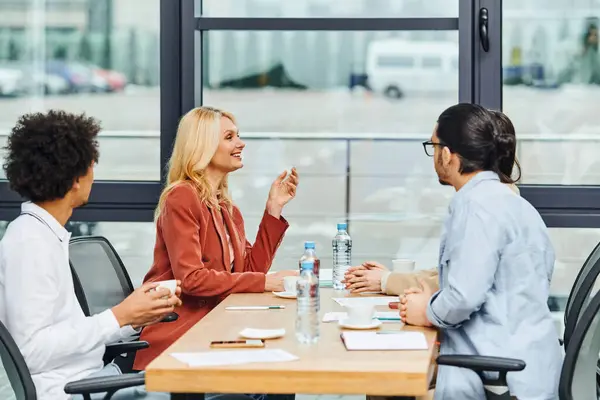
[
  {"x": 349, "y": 107},
  {"x": 96, "y": 57},
  {"x": 287, "y": 86}
]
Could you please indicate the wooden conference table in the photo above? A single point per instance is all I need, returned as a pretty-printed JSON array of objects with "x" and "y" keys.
[{"x": 323, "y": 368}]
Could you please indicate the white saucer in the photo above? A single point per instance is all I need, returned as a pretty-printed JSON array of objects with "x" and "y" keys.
[
  {"x": 375, "y": 323},
  {"x": 250, "y": 333},
  {"x": 285, "y": 295}
]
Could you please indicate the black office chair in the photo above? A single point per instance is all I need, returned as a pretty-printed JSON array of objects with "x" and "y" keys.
[
  {"x": 581, "y": 292},
  {"x": 101, "y": 281},
  {"x": 578, "y": 378},
  {"x": 24, "y": 388},
  {"x": 578, "y": 375},
  {"x": 103, "y": 277}
]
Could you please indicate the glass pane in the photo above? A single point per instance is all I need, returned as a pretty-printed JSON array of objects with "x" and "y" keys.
[
  {"x": 319, "y": 204},
  {"x": 551, "y": 74},
  {"x": 397, "y": 204},
  {"x": 6, "y": 391},
  {"x": 330, "y": 8},
  {"x": 98, "y": 57},
  {"x": 368, "y": 83},
  {"x": 332, "y": 102}
]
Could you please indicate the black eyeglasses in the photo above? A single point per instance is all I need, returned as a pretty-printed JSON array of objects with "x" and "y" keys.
[{"x": 429, "y": 147}]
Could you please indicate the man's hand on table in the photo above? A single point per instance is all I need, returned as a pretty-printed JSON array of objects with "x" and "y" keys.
[{"x": 413, "y": 305}]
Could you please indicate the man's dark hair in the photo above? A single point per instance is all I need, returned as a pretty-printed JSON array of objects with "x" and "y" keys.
[
  {"x": 47, "y": 153},
  {"x": 471, "y": 131},
  {"x": 506, "y": 128}
]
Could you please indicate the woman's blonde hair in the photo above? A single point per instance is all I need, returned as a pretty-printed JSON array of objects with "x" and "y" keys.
[{"x": 197, "y": 140}]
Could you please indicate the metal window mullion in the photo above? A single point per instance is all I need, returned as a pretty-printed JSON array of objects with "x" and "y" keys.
[
  {"x": 487, "y": 73},
  {"x": 170, "y": 78},
  {"x": 199, "y": 68},
  {"x": 327, "y": 24},
  {"x": 466, "y": 58},
  {"x": 188, "y": 56}
]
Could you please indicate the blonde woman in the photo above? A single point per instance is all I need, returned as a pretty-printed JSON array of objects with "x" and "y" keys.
[{"x": 200, "y": 236}]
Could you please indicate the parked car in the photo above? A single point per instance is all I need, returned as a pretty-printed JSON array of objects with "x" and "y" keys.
[
  {"x": 36, "y": 79},
  {"x": 79, "y": 78},
  {"x": 12, "y": 82},
  {"x": 116, "y": 81}
]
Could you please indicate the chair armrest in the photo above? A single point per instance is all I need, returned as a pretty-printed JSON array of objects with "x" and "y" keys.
[
  {"x": 104, "y": 384},
  {"x": 170, "y": 317},
  {"x": 115, "y": 349},
  {"x": 482, "y": 363}
]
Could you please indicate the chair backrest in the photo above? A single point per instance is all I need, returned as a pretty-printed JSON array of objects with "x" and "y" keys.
[
  {"x": 16, "y": 370},
  {"x": 100, "y": 271},
  {"x": 581, "y": 292},
  {"x": 578, "y": 377},
  {"x": 79, "y": 291}
]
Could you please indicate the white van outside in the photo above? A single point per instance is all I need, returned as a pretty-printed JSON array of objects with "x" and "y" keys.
[{"x": 397, "y": 68}]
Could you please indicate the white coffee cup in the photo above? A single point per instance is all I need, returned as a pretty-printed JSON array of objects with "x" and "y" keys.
[
  {"x": 360, "y": 314},
  {"x": 170, "y": 284},
  {"x": 403, "y": 265},
  {"x": 289, "y": 284}
]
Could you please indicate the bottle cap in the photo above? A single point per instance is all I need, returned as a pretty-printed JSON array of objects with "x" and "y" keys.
[
  {"x": 307, "y": 265},
  {"x": 309, "y": 245},
  {"x": 342, "y": 226}
]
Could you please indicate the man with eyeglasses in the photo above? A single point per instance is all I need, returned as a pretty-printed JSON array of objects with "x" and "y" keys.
[
  {"x": 372, "y": 276},
  {"x": 496, "y": 262}
]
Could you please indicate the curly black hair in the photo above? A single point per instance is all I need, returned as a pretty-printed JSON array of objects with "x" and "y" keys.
[{"x": 46, "y": 153}]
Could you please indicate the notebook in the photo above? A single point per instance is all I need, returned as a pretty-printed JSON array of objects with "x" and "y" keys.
[{"x": 384, "y": 340}]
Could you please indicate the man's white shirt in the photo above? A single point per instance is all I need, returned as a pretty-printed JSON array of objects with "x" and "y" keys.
[{"x": 39, "y": 307}]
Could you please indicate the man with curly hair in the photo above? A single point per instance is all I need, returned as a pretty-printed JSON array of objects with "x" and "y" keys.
[{"x": 50, "y": 162}]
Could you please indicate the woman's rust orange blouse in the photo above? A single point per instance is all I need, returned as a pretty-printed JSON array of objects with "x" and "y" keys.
[{"x": 191, "y": 245}]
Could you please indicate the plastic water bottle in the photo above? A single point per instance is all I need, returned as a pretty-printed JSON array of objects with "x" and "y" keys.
[
  {"x": 307, "y": 311},
  {"x": 342, "y": 255},
  {"x": 310, "y": 255}
]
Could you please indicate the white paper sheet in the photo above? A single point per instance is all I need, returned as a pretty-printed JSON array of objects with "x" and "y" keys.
[
  {"x": 384, "y": 341},
  {"x": 233, "y": 357},
  {"x": 356, "y": 301},
  {"x": 385, "y": 315}
]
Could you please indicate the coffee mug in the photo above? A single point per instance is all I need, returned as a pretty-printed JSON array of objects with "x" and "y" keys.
[
  {"x": 403, "y": 265},
  {"x": 360, "y": 314},
  {"x": 170, "y": 284},
  {"x": 289, "y": 284}
]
